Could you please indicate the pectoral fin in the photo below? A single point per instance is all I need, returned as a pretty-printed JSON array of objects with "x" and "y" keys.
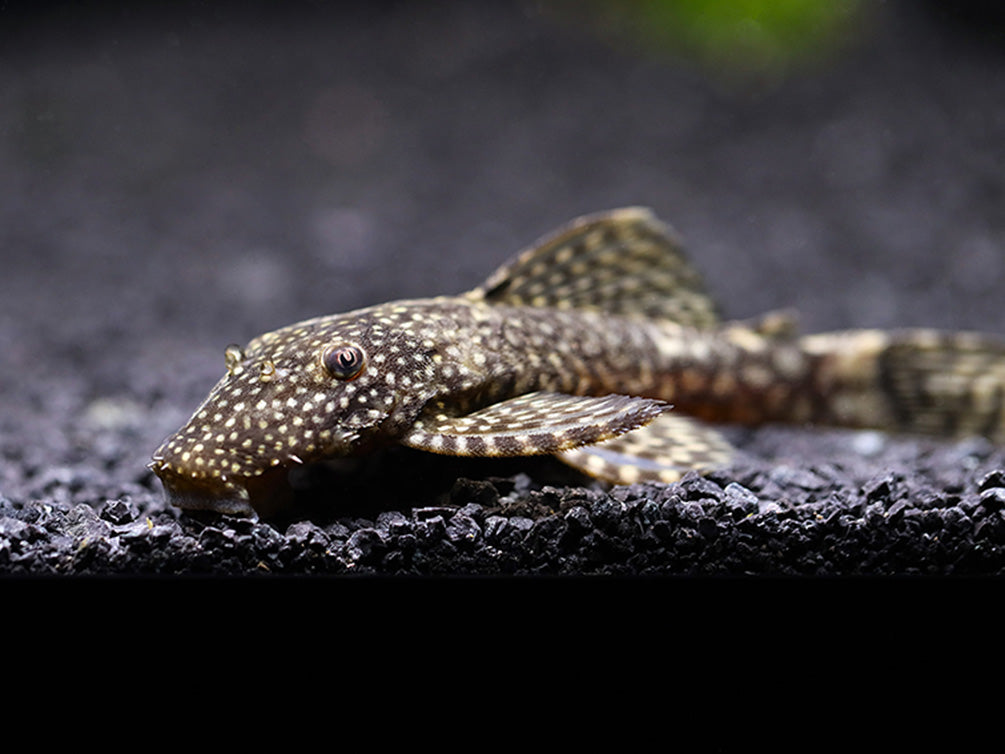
[
  {"x": 531, "y": 424},
  {"x": 662, "y": 451}
]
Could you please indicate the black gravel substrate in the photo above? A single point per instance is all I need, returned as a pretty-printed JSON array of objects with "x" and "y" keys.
[{"x": 171, "y": 182}]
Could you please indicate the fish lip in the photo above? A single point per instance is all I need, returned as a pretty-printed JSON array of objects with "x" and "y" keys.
[
  {"x": 206, "y": 494},
  {"x": 250, "y": 497}
]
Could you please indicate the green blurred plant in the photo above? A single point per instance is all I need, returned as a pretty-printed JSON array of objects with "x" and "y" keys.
[{"x": 737, "y": 39}]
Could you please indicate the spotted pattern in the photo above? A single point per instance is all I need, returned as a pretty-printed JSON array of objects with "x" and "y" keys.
[
  {"x": 532, "y": 424},
  {"x": 577, "y": 347},
  {"x": 620, "y": 262}
]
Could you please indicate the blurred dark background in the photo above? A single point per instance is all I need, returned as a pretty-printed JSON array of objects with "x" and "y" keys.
[{"x": 177, "y": 177}]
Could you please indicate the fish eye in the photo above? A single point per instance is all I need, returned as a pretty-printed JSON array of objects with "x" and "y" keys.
[{"x": 344, "y": 362}]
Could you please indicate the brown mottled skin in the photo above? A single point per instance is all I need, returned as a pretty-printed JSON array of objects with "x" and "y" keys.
[{"x": 576, "y": 348}]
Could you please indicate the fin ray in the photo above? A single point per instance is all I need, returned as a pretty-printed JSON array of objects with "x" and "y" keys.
[
  {"x": 624, "y": 261},
  {"x": 662, "y": 451},
  {"x": 531, "y": 424}
]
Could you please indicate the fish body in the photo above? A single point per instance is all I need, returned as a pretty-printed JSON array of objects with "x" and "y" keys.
[{"x": 579, "y": 347}]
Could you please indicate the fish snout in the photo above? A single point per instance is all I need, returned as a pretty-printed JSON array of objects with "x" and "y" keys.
[{"x": 199, "y": 477}]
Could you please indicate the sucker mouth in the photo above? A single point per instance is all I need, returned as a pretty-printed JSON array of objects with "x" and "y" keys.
[
  {"x": 252, "y": 497},
  {"x": 264, "y": 492},
  {"x": 190, "y": 496}
]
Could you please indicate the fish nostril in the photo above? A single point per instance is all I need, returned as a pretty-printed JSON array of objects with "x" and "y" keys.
[
  {"x": 268, "y": 371},
  {"x": 232, "y": 357}
]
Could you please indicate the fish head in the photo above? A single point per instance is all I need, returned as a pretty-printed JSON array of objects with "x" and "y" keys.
[{"x": 321, "y": 389}]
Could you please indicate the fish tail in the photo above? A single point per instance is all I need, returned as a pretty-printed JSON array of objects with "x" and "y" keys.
[{"x": 922, "y": 381}]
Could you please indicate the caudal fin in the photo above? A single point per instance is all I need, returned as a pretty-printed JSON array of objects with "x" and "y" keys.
[{"x": 925, "y": 381}]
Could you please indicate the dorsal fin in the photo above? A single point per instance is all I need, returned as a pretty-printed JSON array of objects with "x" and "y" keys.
[{"x": 624, "y": 261}]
